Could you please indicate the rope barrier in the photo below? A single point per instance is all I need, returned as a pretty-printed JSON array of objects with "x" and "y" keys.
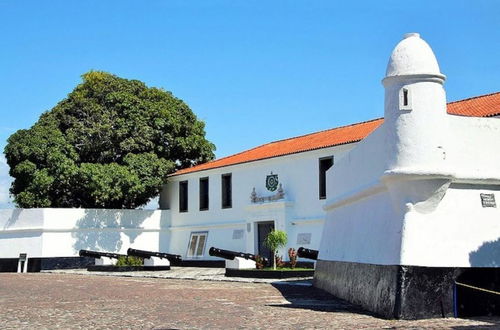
[{"x": 477, "y": 288}]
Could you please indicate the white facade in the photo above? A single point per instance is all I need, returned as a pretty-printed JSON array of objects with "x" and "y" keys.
[
  {"x": 415, "y": 192},
  {"x": 300, "y": 213}
]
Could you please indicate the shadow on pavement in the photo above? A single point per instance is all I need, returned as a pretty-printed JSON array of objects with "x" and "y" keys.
[
  {"x": 302, "y": 295},
  {"x": 494, "y": 323},
  {"x": 308, "y": 297}
]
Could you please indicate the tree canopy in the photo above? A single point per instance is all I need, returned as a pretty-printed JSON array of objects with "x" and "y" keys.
[{"x": 110, "y": 144}]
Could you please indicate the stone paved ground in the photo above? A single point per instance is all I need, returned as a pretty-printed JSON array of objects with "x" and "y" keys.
[
  {"x": 49, "y": 301},
  {"x": 185, "y": 273}
]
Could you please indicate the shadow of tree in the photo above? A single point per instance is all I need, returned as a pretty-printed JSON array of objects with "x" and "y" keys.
[
  {"x": 102, "y": 229},
  {"x": 131, "y": 222},
  {"x": 487, "y": 255},
  {"x": 13, "y": 218}
]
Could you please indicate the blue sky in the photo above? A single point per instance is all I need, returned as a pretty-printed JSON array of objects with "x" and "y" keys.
[{"x": 254, "y": 71}]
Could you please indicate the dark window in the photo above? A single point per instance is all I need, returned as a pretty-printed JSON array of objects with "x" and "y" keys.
[
  {"x": 324, "y": 165},
  {"x": 227, "y": 201},
  {"x": 405, "y": 97},
  {"x": 183, "y": 196},
  {"x": 203, "y": 194}
]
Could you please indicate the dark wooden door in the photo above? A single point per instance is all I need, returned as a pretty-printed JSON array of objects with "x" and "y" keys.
[{"x": 264, "y": 228}]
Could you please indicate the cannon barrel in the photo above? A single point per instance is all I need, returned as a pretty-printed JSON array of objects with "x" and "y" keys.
[
  {"x": 307, "y": 253},
  {"x": 149, "y": 254},
  {"x": 230, "y": 255},
  {"x": 97, "y": 254}
]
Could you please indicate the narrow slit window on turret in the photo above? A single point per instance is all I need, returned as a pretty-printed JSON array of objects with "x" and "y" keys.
[{"x": 404, "y": 99}]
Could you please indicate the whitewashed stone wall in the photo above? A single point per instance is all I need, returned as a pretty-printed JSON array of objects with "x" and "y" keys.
[{"x": 63, "y": 232}]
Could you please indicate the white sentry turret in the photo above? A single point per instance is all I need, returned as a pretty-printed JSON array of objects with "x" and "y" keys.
[{"x": 415, "y": 110}]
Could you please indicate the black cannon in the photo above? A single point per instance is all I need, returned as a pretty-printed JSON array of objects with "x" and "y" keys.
[
  {"x": 307, "y": 253},
  {"x": 230, "y": 255},
  {"x": 96, "y": 254},
  {"x": 149, "y": 254}
]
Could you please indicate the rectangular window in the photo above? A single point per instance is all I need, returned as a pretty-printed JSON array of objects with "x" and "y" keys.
[
  {"x": 227, "y": 201},
  {"x": 197, "y": 244},
  {"x": 324, "y": 165},
  {"x": 203, "y": 194},
  {"x": 183, "y": 196},
  {"x": 405, "y": 99}
]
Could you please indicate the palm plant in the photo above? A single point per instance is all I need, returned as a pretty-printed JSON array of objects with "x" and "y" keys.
[{"x": 275, "y": 240}]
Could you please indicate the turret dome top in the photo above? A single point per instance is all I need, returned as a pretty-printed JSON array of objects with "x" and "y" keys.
[{"x": 411, "y": 56}]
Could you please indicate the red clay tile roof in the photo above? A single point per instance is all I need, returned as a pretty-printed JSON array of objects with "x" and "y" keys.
[{"x": 480, "y": 106}]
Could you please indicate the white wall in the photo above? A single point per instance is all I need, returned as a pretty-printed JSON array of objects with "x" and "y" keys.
[
  {"x": 367, "y": 231},
  {"x": 474, "y": 153},
  {"x": 20, "y": 232},
  {"x": 459, "y": 233},
  {"x": 417, "y": 218},
  {"x": 299, "y": 213},
  {"x": 359, "y": 169},
  {"x": 297, "y": 172},
  {"x": 63, "y": 232},
  {"x": 218, "y": 236}
]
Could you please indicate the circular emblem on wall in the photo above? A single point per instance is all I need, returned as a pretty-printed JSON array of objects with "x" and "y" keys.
[{"x": 272, "y": 182}]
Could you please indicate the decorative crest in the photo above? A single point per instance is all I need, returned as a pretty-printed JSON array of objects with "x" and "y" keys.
[{"x": 272, "y": 182}]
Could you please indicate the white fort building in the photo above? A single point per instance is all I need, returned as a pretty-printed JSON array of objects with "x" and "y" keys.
[{"x": 394, "y": 205}]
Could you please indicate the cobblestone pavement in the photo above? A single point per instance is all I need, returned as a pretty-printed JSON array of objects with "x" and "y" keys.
[
  {"x": 185, "y": 273},
  {"x": 50, "y": 300}
]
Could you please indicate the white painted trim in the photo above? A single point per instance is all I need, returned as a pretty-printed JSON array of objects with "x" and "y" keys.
[
  {"x": 376, "y": 187},
  {"x": 352, "y": 196},
  {"x": 142, "y": 230},
  {"x": 198, "y": 234},
  {"x": 269, "y": 205},
  {"x": 203, "y": 226},
  {"x": 307, "y": 221},
  {"x": 412, "y": 78},
  {"x": 488, "y": 178},
  {"x": 59, "y": 230}
]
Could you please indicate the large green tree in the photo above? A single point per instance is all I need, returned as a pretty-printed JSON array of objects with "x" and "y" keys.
[{"x": 110, "y": 144}]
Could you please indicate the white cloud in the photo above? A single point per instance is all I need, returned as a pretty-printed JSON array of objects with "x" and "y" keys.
[{"x": 5, "y": 181}]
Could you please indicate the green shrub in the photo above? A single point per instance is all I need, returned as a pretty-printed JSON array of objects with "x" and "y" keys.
[{"x": 129, "y": 261}]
